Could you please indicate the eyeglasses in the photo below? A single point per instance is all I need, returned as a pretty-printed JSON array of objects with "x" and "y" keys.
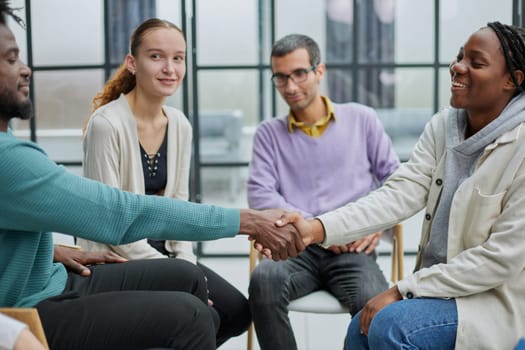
[{"x": 297, "y": 76}]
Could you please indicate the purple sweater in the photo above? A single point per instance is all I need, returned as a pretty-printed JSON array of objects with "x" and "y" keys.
[{"x": 315, "y": 175}]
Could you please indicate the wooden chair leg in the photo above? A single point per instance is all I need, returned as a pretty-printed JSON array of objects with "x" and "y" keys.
[
  {"x": 400, "y": 255},
  {"x": 250, "y": 338},
  {"x": 397, "y": 254},
  {"x": 253, "y": 262}
]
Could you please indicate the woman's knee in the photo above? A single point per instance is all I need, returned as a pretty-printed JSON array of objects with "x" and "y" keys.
[
  {"x": 188, "y": 310},
  {"x": 387, "y": 327}
]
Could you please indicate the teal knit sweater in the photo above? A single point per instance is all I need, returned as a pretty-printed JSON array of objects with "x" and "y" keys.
[{"x": 38, "y": 197}]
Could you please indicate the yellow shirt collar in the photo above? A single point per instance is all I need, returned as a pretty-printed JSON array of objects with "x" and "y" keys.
[{"x": 316, "y": 129}]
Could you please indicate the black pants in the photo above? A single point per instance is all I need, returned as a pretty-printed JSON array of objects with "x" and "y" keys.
[
  {"x": 134, "y": 305},
  {"x": 230, "y": 305}
]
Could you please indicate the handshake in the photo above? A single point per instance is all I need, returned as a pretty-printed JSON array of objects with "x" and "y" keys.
[{"x": 279, "y": 234}]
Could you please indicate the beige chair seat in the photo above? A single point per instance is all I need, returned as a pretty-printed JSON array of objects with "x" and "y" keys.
[{"x": 318, "y": 302}]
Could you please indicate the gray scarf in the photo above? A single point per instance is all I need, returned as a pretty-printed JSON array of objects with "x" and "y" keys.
[{"x": 461, "y": 157}]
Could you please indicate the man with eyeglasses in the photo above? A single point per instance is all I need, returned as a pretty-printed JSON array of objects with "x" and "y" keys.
[{"x": 317, "y": 158}]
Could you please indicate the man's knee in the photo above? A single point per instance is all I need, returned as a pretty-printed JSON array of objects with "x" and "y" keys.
[{"x": 266, "y": 277}]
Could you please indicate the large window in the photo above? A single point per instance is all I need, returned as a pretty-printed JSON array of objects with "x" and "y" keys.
[{"x": 390, "y": 54}]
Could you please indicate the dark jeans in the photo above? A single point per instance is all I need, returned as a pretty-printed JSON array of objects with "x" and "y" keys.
[
  {"x": 351, "y": 278},
  {"x": 134, "y": 305}
]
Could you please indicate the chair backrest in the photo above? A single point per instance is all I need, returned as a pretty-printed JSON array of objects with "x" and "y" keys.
[
  {"x": 30, "y": 317},
  {"x": 322, "y": 301}
]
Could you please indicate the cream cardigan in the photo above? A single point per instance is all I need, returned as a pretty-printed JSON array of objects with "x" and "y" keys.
[
  {"x": 112, "y": 156},
  {"x": 485, "y": 269}
]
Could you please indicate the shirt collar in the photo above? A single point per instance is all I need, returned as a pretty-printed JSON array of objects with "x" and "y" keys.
[{"x": 293, "y": 123}]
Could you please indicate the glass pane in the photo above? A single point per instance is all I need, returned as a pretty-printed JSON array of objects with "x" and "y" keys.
[
  {"x": 375, "y": 31},
  {"x": 175, "y": 100},
  {"x": 67, "y": 32},
  {"x": 456, "y": 26},
  {"x": 221, "y": 136},
  {"x": 124, "y": 16},
  {"x": 19, "y": 32},
  {"x": 63, "y": 98},
  {"x": 339, "y": 31},
  {"x": 405, "y": 119},
  {"x": 444, "y": 88},
  {"x": 414, "y": 31},
  {"x": 236, "y": 245},
  {"x": 375, "y": 86},
  {"x": 225, "y": 186},
  {"x": 385, "y": 31},
  {"x": 302, "y": 16},
  {"x": 22, "y": 126},
  {"x": 404, "y": 125},
  {"x": 226, "y": 37},
  {"x": 413, "y": 87},
  {"x": 282, "y": 107},
  {"x": 230, "y": 89},
  {"x": 267, "y": 95},
  {"x": 170, "y": 10}
]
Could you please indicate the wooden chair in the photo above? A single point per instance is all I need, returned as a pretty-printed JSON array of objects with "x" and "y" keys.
[
  {"x": 30, "y": 317},
  {"x": 323, "y": 302}
]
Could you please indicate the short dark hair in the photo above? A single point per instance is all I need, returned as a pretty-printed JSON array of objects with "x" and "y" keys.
[
  {"x": 7, "y": 10},
  {"x": 292, "y": 42}
]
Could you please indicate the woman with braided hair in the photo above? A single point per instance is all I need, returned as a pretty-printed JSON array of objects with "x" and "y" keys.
[{"x": 467, "y": 172}]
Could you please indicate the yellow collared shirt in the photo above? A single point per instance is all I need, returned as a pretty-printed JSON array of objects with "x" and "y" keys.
[{"x": 316, "y": 129}]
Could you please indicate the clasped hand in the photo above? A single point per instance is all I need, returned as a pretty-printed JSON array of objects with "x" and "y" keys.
[{"x": 279, "y": 234}]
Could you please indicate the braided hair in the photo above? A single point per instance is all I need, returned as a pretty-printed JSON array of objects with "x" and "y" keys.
[
  {"x": 512, "y": 41},
  {"x": 6, "y": 10}
]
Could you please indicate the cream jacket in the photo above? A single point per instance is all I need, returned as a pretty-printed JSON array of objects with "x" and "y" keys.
[
  {"x": 486, "y": 241},
  {"x": 112, "y": 156}
]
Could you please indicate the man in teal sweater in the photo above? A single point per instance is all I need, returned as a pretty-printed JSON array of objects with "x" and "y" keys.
[{"x": 131, "y": 305}]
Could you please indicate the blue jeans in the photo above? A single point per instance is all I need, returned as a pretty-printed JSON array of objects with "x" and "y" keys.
[
  {"x": 520, "y": 345},
  {"x": 351, "y": 278},
  {"x": 423, "y": 323}
]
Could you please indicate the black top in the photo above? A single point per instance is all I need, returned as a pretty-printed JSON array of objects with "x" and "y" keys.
[{"x": 155, "y": 167}]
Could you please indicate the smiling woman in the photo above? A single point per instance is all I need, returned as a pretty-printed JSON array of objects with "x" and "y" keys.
[
  {"x": 470, "y": 265},
  {"x": 467, "y": 173},
  {"x": 480, "y": 77},
  {"x": 136, "y": 143}
]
